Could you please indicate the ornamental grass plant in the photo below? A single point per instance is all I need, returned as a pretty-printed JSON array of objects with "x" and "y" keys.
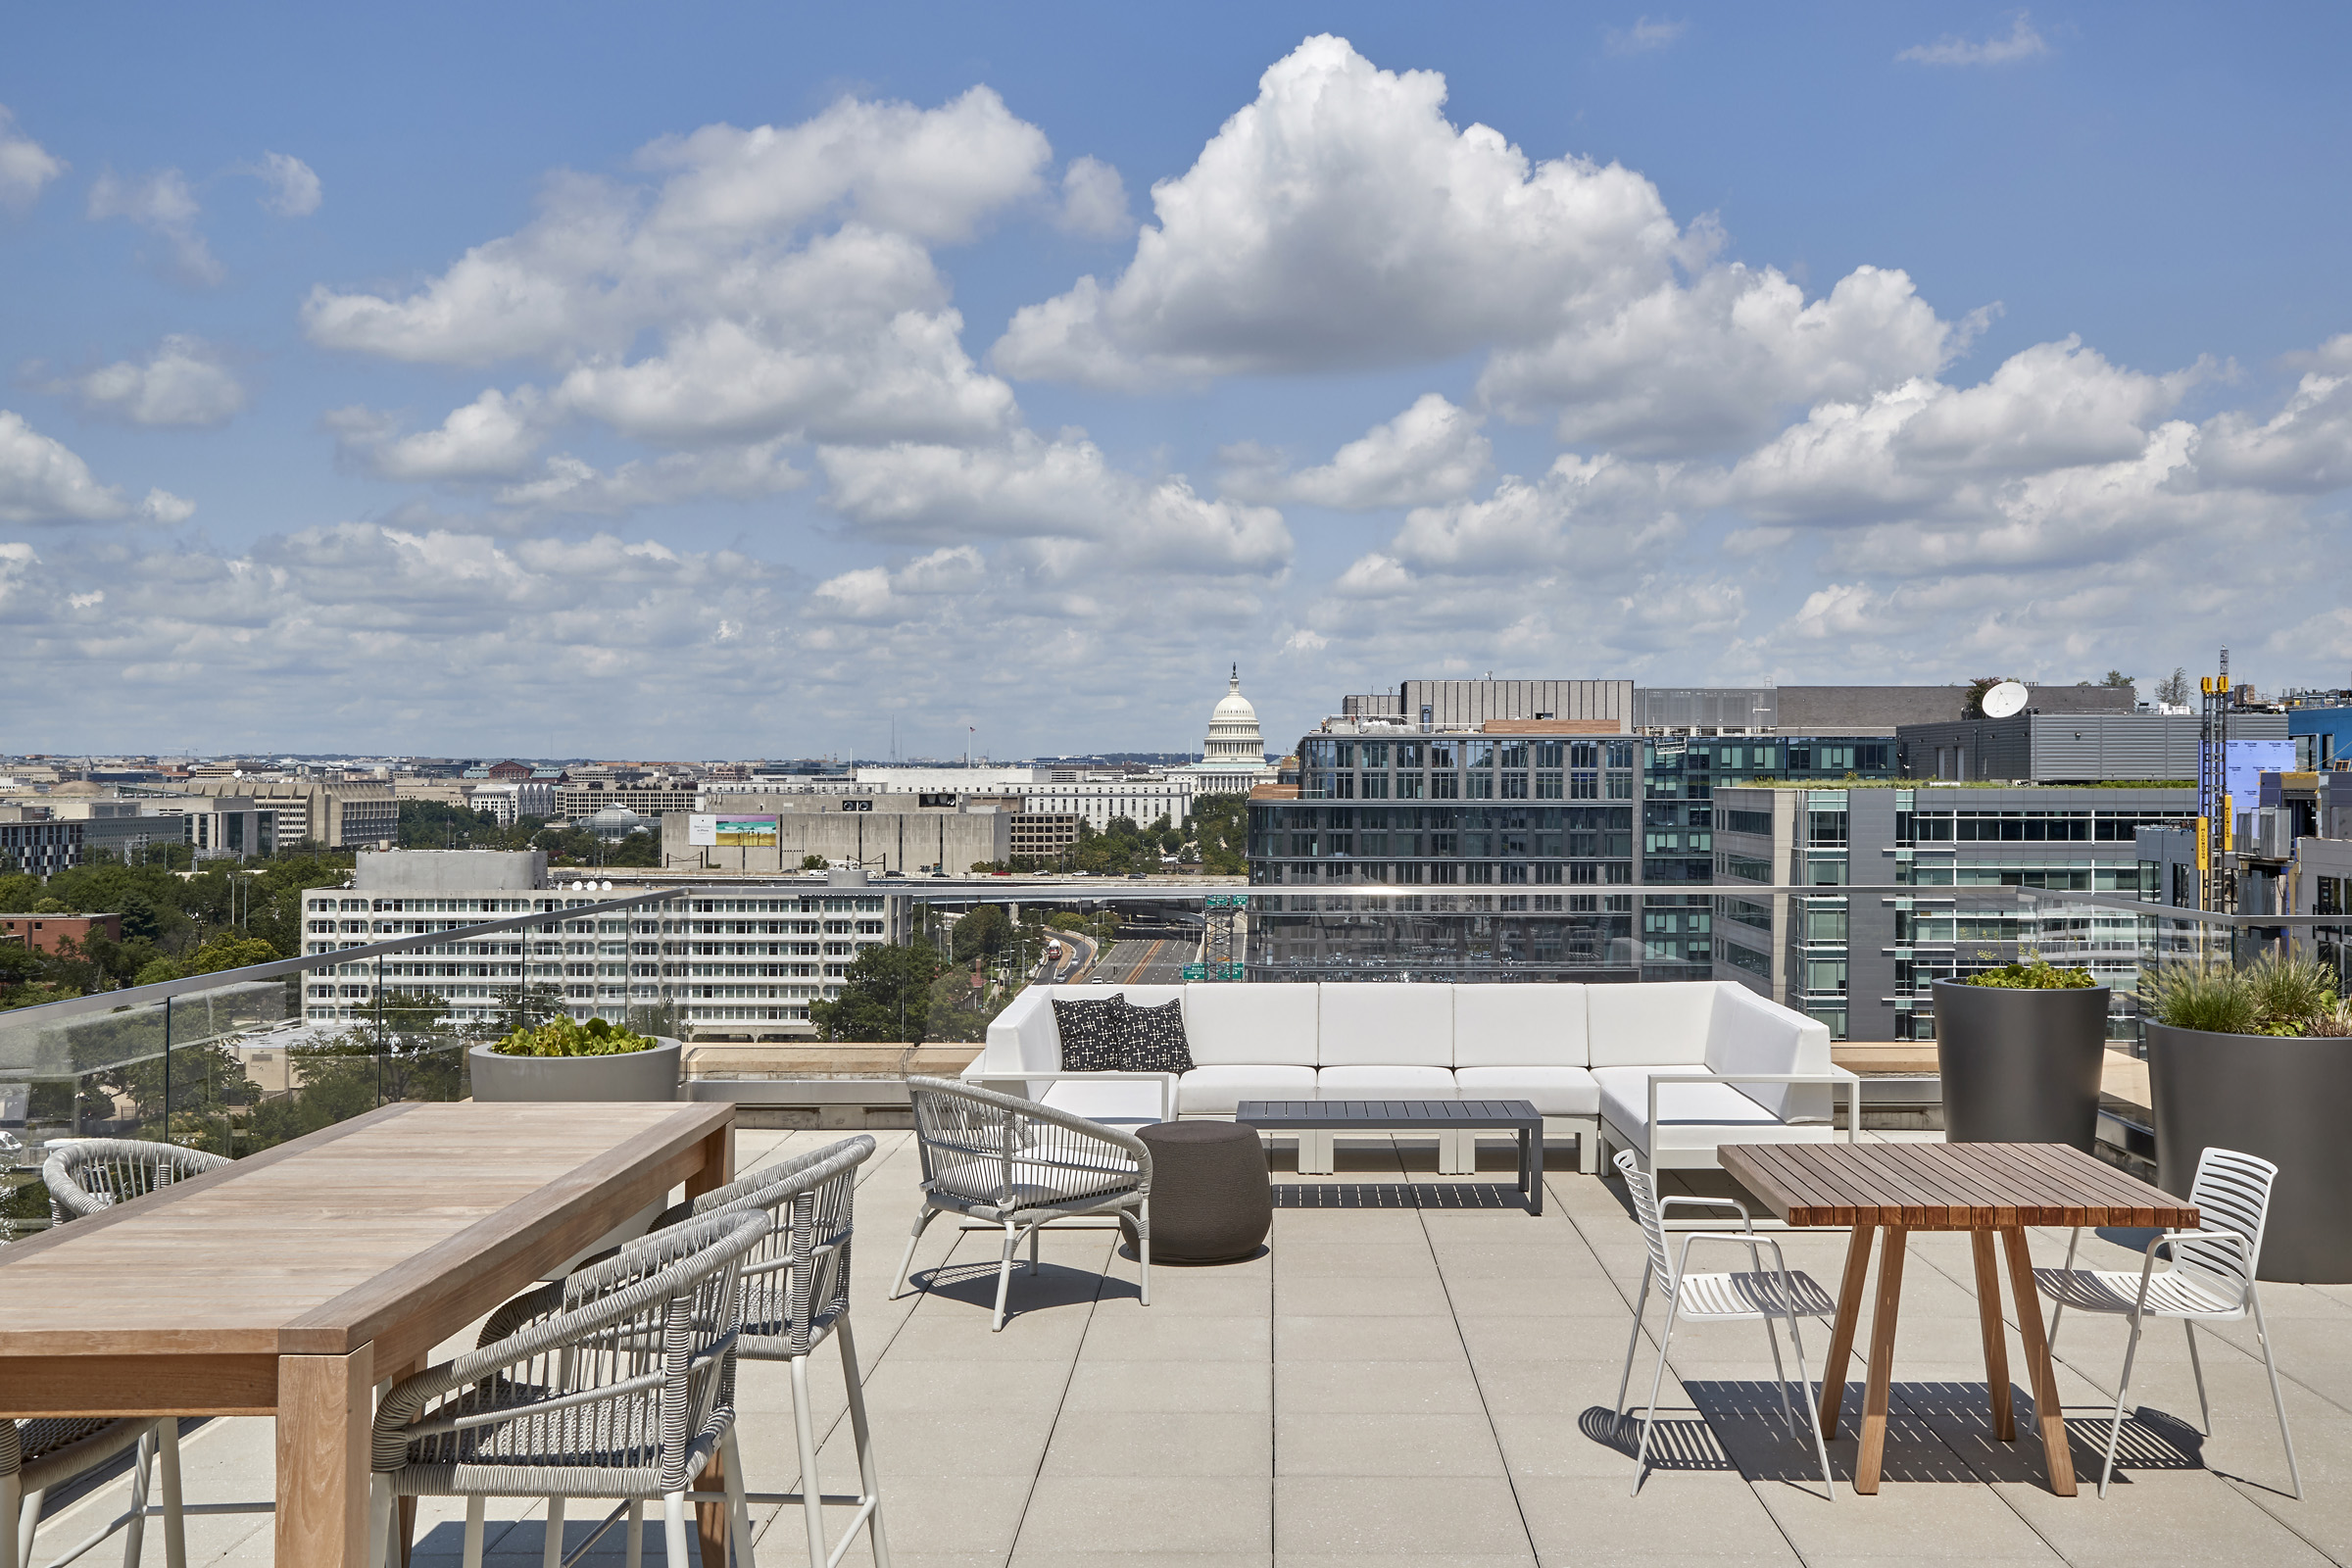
[
  {"x": 567, "y": 1036},
  {"x": 2278, "y": 994}
]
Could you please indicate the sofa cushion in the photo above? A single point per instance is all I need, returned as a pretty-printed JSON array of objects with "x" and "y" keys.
[
  {"x": 1154, "y": 1040},
  {"x": 1093, "y": 1032},
  {"x": 1660, "y": 1023},
  {"x": 1120, "y": 1102},
  {"x": 1230, "y": 1025},
  {"x": 1536, "y": 1025},
  {"x": 1555, "y": 1090},
  {"x": 1749, "y": 1034},
  {"x": 1215, "y": 1091},
  {"x": 1625, "y": 1101},
  {"x": 1384, "y": 1023},
  {"x": 1384, "y": 1081}
]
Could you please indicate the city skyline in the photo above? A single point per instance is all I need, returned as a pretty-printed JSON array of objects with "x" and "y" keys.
[{"x": 624, "y": 394}]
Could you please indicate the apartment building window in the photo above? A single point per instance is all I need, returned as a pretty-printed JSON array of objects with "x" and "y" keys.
[
  {"x": 1444, "y": 786},
  {"x": 1514, "y": 786},
  {"x": 1550, "y": 787},
  {"x": 1408, "y": 786},
  {"x": 1375, "y": 787},
  {"x": 1583, "y": 754},
  {"x": 1583, "y": 785},
  {"x": 1479, "y": 786}
]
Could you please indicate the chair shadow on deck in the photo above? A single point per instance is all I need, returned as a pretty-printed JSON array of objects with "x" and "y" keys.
[
  {"x": 1936, "y": 1432},
  {"x": 1054, "y": 1285}
]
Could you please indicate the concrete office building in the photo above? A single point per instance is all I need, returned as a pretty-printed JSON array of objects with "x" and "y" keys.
[
  {"x": 582, "y": 797},
  {"x": 734, "y": 964},
  {"x": 51, "y": 833},
  {"x": 340, "y": 814},
  {"x": 880, "y": 833},
  {"x": 1864, "y": 962},
  {"x": 2071, "y": 747},
  {"x": 1515, "y": 848}
]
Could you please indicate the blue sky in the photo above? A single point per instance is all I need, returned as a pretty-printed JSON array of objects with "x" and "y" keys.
[{"x": 1859, "y": 343}]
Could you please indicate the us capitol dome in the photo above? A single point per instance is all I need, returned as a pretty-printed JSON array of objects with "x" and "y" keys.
[{"x": 1233, "y": 756}]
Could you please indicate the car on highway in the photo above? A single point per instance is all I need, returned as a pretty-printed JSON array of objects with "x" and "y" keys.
[{"x": 1136, "y": 876}]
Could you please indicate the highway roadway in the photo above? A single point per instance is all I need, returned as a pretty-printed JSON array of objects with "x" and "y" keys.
[{"x": 1145, "y": 963}]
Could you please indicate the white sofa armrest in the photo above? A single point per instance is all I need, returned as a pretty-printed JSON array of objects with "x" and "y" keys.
[
  {"x": 1833, "y": 1077},
  {"x": 1018, "y": 1083},
  {"x": 1023, "y": 1038}
]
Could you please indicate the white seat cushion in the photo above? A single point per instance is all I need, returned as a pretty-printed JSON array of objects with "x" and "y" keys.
[
  {"x": 1555, "y": 1090},
  {"x": 1219, "y": 1091},
  {"x": 1687, "y": 1113},
  {"x": 1249, "y": 1025},
  {"x": 1538, "y": 1025},
  {"x": 1034, "y": 1183},
  {"x": 1649, "y": 1024},
  {"x": 1384, "y": 1083},
  {"x": 1384, "y": 1023},
  {"x": 1120, "y": 1102}
]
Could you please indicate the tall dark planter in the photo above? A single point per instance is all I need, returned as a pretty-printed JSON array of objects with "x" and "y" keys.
[
  {"x": 2284, "y": 1099},
  {"x": 2020, "y": 1066}
]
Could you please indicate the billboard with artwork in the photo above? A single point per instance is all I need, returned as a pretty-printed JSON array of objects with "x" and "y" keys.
[{"x": 731, "y": 832}]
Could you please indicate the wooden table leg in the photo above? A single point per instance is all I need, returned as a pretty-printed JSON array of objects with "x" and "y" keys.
[
  {"x": 323, "y": 1408},
  {"x": 1996, "y": 1338},
  {"x": 1876, "y": 1396},
  {"x": 1842, "y": 1330},
  {"x": 710, "y": 1518},
  {"x": 2047, "y": 1413}
]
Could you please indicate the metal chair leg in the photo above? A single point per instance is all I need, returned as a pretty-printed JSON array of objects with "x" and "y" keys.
[
  {"x": 176, "y": 1531},
  {"x": 2294, "y": 1472},
  {"x": 474, "y": 1529},
  {"x": 2204, "y": 1409},
  {"x": 28, "y": 1516},
  {"x": 2123, "y": 1391},
  {"x": 134, "y": 1535},
  {"x": 12, "y": 1504},
  {"x": 1143, "y": 1248},
  {"x": 870, "y": 1481},
  {"x": 898, "y": 1286},
  {"x": 379, "y": 1522},
  {"x": 551, "y": 1540},
  {"x": 739, "y": 1509},
  {"x": 1012, "y": 1244},
  {"x": 674, "y": 1545},
  {"x": 2058, "y": 1304},
  {"x": 803, "y": 1428},
  {"x": 1035, "y": 1231},
  {"x": 1625, "y": 1379},
  {"x": 1658, "y": 1377},
  {"x": 632, "y": 1552}
]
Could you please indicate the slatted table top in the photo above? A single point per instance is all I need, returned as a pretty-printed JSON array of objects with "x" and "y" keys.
[
  {"x": 316, "y": 1246},
  {"x": 1404, "y": 1114},
  {"x": 1948, "y": 1186}
]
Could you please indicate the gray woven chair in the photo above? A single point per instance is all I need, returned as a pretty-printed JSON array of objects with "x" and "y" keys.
[
  {"x": 796, "y": 1294},
  {"x": 85, "y": 1176},
  {"x": 1016, "y": 1163},
  {"x": 37, "y": 1456},
  {"x": 615, "y": 1382}
]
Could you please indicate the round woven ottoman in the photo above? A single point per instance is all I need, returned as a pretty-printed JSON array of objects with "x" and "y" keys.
[{"x": 1211, "y": 1200}]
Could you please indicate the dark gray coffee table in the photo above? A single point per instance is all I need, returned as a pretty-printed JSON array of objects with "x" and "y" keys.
[{"x": 1411, "y": 1116}]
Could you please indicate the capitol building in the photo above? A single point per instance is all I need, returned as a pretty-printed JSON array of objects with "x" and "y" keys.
[{"x": 1233, "y": 759}]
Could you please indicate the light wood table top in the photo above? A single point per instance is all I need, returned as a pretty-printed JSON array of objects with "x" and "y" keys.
[{"x": 1951, "y": 1187}]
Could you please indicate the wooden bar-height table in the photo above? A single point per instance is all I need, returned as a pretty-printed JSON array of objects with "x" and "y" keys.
[
  {"x": 293, "y": 1280},
  {"x": 1895, "y": 1189}
]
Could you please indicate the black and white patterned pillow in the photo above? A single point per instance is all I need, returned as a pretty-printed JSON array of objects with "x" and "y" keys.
[
  {"x": 1093, "y": 1032},
  {"x": 1154, "y": 1039}
]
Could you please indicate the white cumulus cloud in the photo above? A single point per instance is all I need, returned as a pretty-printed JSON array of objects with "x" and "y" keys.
[
  {"x": 42, "y": 480},
  {"x": 2020, "y": 42},
  {"x": 26, "y": 166},
  {"x": 1434, "y": 451},
  {"x": 1094, "y": 201},
  {"x": 293, "y": 185},
  {"x": 184, "y": 382},
  {"x": 161, "y": 204},
  {"x": 496, "y": 436}
]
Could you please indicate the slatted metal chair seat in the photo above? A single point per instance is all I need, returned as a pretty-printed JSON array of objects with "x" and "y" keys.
[
  {"x": 1750, "y": 1294},
  {"x": 2171, "y": 1294}
]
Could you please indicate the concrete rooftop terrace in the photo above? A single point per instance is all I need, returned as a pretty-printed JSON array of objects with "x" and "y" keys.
[{"x": 1411, "y": 1388}]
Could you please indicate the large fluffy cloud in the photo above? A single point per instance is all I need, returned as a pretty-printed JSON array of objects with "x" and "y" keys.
[
  {"x": 185, "y": 382},
  {"x": 1433, "y": 451},
  {"x": 44, "y": 481}
]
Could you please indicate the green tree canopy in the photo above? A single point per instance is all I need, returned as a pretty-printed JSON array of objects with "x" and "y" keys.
[
  {"x": 982, "y": 933},
  {"x": 886, "y": 995}
]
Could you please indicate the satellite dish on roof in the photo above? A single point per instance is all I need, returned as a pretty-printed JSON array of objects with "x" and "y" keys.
[{"x": 2004, "y": 700}]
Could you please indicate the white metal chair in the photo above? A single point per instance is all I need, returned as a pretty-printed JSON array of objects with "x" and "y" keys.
[
  {"x": 1015, "y": 1163},
  {"x": 617, "y": 1381},
  {"x": 86, "y": 1176},
  {"x": 796, "y": 1294},
  {"x": 2211, "y": 1281},
  {"x": 1756, "y": 1295}
]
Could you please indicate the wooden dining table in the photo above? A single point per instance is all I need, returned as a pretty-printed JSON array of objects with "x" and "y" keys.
[
  {"x": 293, "y": 1282},
  {"x": 1889, "y": 1190}
]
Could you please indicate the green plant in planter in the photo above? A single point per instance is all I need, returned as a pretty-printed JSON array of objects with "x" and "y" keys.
[
  {"x": 2274, "y": 995},
  {"x": 2033, "y": 973},
  {"x": 566, "y": 1037}
]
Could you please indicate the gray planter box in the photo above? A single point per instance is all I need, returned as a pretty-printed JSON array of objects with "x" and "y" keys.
[
  {"x": 2020, "y": 1066},
  {"x": 637, "y": 1075},
  {"x": 2284, "y": 1099}
]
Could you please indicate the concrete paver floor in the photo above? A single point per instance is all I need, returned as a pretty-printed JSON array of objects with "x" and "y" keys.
[{"x": 1411, "y": 1387}]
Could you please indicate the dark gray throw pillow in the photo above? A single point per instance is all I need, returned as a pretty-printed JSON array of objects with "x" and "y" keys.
[
  {"x": 1154, "y": 1039},
  {"x": 1093, "y": 1035}
]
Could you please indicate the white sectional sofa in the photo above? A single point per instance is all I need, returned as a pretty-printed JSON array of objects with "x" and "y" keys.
[{"x": 1669, "y": 1070}]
